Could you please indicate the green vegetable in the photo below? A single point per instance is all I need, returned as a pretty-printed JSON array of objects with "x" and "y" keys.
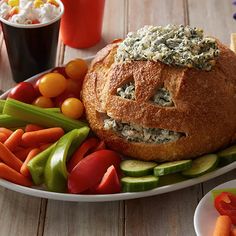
[
  {"x": 137, "y": 184},
  {"x": 55, "y": 172},
  {"x": 40, "y": 116},
  {"x": 216, "y": 192},
  {"x": 172, "y": 167},
  {"x": 171, "y": 179},
  {"x": 137, "y": 168},
  {"x": 37, "y": 165},
  {"x": 53, "y": 109},
  {"x": 10, "y": 121},
  {"x": 227, "y": 155},
  {"x": 2, "y": 103},
  {"x": 202, "y": 165}
]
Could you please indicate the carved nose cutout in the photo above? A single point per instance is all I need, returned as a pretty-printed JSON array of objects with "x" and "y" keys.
[
  {"x": 163, "y": 98},
  {"x": 127, "y": 91}
]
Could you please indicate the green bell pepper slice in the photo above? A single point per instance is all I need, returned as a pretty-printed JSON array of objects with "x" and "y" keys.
[
  {"x": 37, "y": 165},
  {"x": 55, "y": 173}
]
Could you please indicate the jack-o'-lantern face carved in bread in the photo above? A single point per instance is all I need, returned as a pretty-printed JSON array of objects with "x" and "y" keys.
[{"x": 152, "y": 111}]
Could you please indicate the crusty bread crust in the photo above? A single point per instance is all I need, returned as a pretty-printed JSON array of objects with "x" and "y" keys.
[{"x": 204, "y": 104}]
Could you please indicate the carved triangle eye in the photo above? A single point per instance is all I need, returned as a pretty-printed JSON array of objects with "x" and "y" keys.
[
  {"x": 127, "y": 91},
  {"x": 163, "y": 98}
]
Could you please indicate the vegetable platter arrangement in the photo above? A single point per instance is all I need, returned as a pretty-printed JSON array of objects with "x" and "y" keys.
[{"x": 46, "y": 144}]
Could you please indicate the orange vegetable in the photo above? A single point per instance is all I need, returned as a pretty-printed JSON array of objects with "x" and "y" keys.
[
  {"x": 223, "y": 226},
  {"x": 10, "y": 174},
  {"x": 49, "y": 135},
  {"x": 3, "y": 137},
  {"x": 32, "y": 127},
  {"x": 233, "y": 231},
  {"x": 6, "y": 131},
  {"x": 14, "y": 139},
  {"x": 21, "y": 153},
  {"x": 44, "y": 146},
  {"x": 9, "y": 158},
  {"x": 24, "y": 169}
]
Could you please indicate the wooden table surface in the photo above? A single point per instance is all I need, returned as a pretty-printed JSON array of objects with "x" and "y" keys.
[{"x": 167, "y": 214}]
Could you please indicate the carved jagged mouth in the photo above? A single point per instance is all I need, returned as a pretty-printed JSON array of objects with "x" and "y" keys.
[{"x": 136, "y": 133}]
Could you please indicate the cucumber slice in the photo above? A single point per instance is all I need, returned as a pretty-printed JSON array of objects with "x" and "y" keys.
[
  {"x": 202, "y": 165},
  {"x": 138, "y": 184},
  {"x": 227, "y": 155},
  {"x": 135, "y": 168},
  {"x": 171, "y": 179},
  {"x": 172, "y": 167}
]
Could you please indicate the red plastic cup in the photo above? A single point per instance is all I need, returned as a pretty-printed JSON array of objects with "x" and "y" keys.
[{"x": 81, "y": 24}]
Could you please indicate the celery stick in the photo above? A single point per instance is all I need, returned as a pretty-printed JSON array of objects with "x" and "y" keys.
[
  {"x": 8, "y": 121},
  {"x": 37, "y": 115},
  {"x": 53, "y": 109},
  {"x": 2, "y": 103}
]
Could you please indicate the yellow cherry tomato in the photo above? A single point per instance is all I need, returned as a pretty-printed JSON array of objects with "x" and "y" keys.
[
  {"x": 76, "y": 69},
  {"x": 73, "y": 108},
  {"x": 52, "y": 85},
  {"x": 13, "y": 3},
  {"x": 43, "y": 102}
]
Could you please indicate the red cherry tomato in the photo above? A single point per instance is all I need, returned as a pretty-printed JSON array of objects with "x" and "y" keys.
[
  {"x": 225, "y": 204},
  {"x": 36, "y": 87},
  {"x": 60, "y": 70},
  {"x": 23, "y": 92},
  {"x": 62, "y": 97},
  {"x": 90, "y": 170},
  {"x": 110, "y": 182},
  {"x": 74, "y": 86}
]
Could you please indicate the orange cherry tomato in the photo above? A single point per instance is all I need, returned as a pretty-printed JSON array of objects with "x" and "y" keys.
[
  {"x": 43, "y": 102},
  {"x": 52, "y": 84},
  {"x": 73, "y": 108},
  {"x": 73, "y": 86},
  {"x": 76, "y": 69}
]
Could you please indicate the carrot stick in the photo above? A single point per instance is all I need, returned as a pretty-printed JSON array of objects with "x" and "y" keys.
[
  {"x": 9, "y": 158},
  {"x": 223, "y": 226},
  {"x": 6, "y": 131},
  {"x": 233, "y": 231},
  {"x": 10, "y": 174},
  {"x": 45, "y": 146},
  {"x": 24, "y": 169},
  {"x": 3, "y": 137},
  {"x": 49, "y": 135},
  {"x": 32, "y": 127},
  {"x": 21, "y": 153},
  {"x": 14, "y": 139}
]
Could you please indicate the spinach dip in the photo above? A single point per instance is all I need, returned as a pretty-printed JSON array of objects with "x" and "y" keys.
[
  {"x": 136, "y": 133},
  {"x": 172, "y": 45}
]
